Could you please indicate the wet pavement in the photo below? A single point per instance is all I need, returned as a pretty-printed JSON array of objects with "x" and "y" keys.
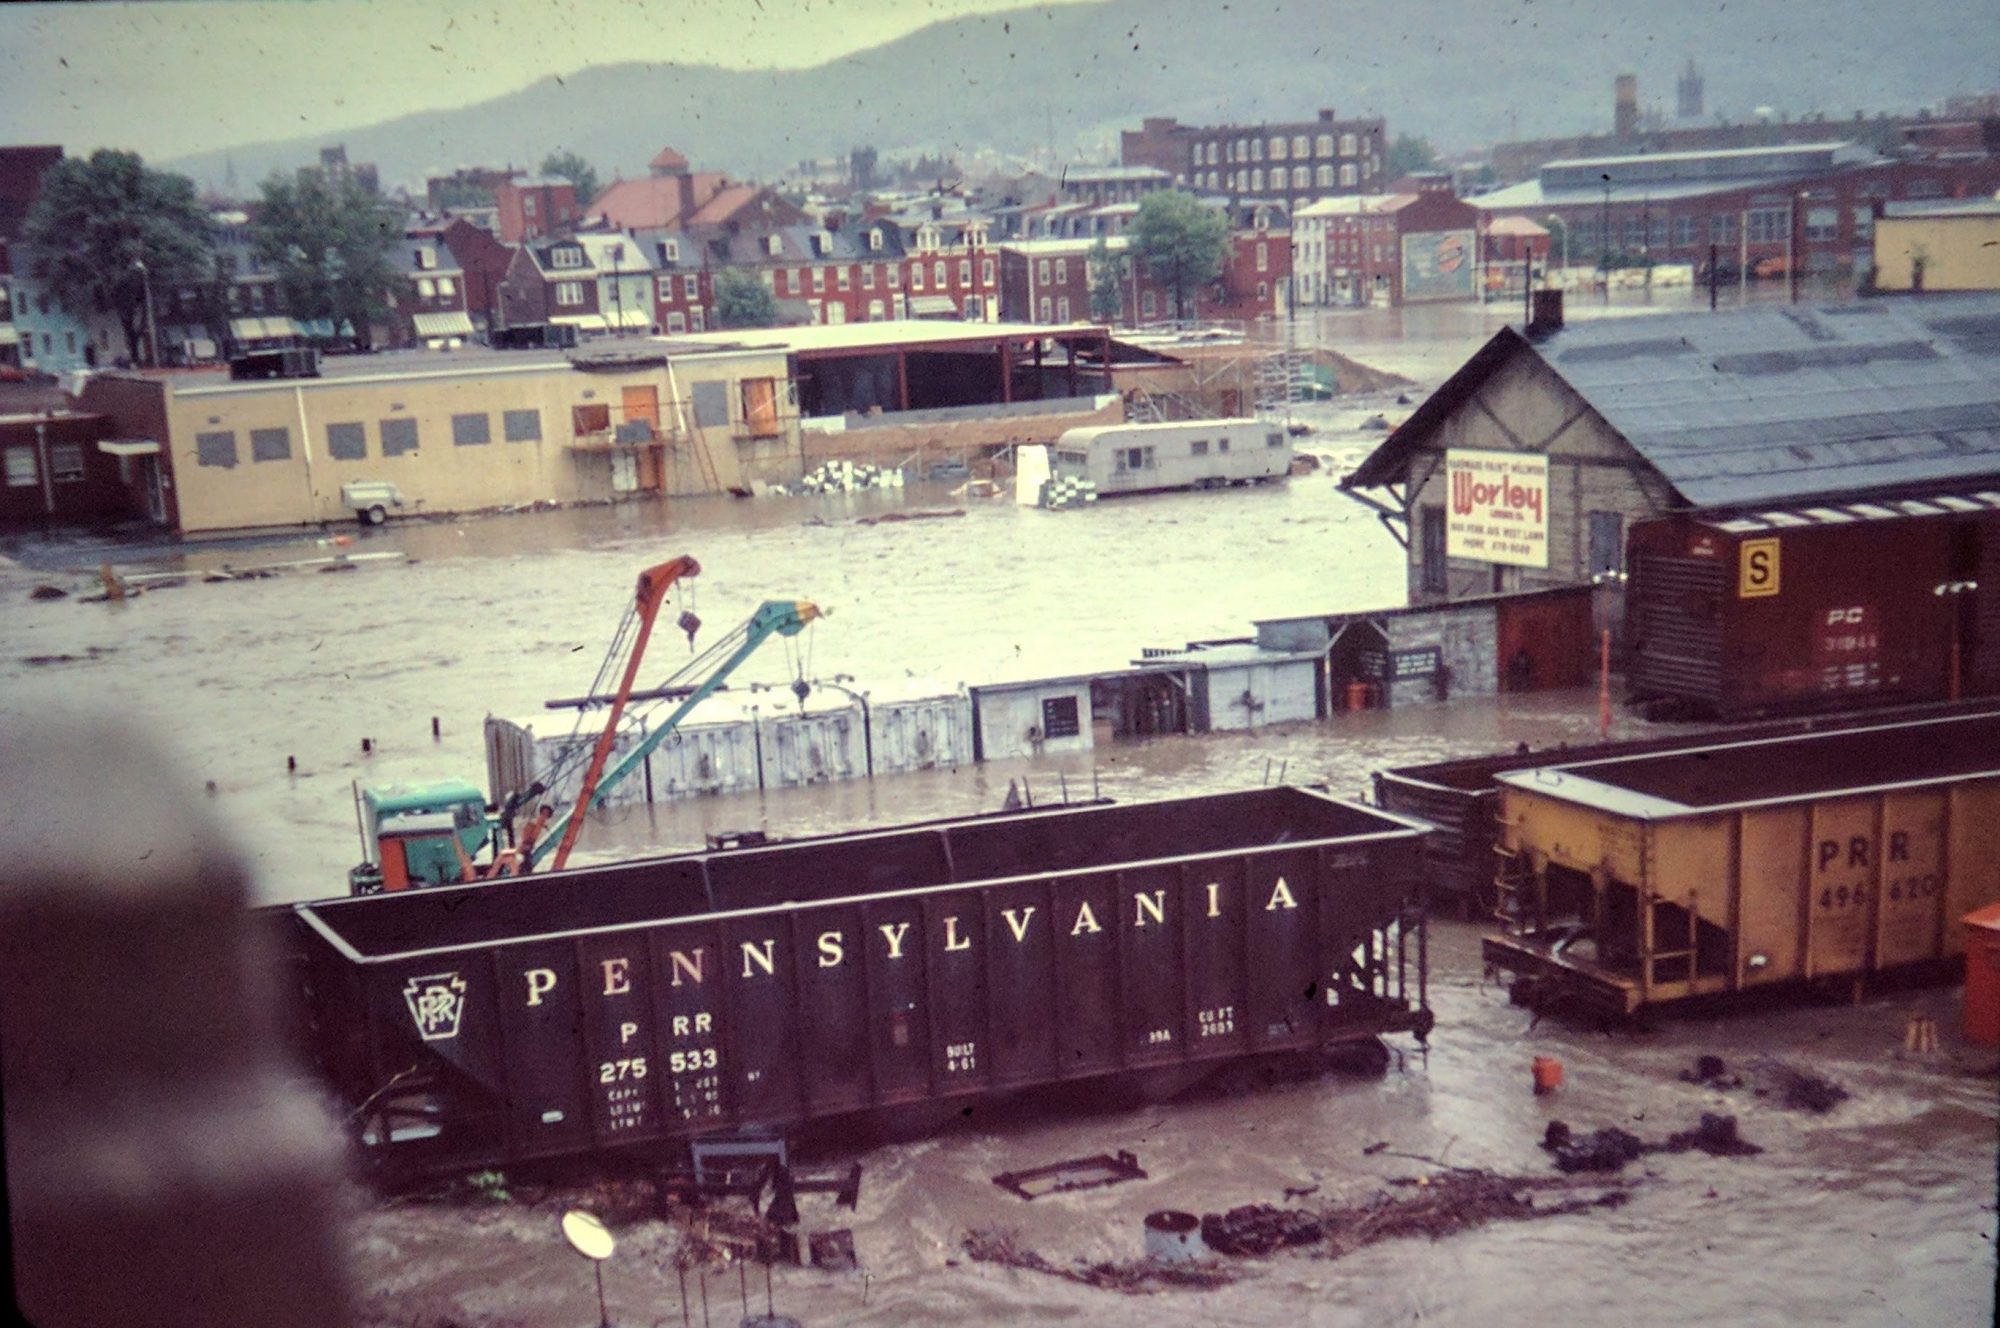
[{"x": 1881, "y": 1211}]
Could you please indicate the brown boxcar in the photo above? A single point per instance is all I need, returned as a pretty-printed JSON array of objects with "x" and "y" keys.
[
  {"x": 1856, "y": 603},
  {"x": 1648, "y": 879},
  {"x": 652, "y": 1001}
]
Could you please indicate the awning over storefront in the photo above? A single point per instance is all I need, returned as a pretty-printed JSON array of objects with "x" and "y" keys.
[
  {"x": 582, "y": 322},
  {"x": 262, "y": 329},
  {"x": 129, "y": 447},
  {"x": 457, "y": 323},
  {"x": 629, "y": 319},
  {"x": 930, "y": 306},
  {"x": 9, "y": 335}
]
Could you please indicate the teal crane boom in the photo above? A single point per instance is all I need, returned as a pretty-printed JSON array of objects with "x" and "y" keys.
[{"x": 773, "y": 617}]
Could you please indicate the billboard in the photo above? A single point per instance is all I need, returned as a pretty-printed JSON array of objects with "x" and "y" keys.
[
  {"x": 1497, "y": 507},
  {"x": 1438, "y": 265}
]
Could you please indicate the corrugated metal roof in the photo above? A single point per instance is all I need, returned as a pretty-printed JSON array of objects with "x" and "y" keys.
[{"x": 1773, "y": 404}]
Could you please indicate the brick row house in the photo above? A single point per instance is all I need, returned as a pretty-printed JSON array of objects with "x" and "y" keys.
[
  {"x": 1387, "y": 249},
  {"x": 1050, "y": 281}
]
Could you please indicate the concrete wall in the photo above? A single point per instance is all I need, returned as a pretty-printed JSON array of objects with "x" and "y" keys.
[
  {"x": 1958, "y": 253},
  {"x": 1525, "y": 407},
  {"x": 304, "y": 484}
]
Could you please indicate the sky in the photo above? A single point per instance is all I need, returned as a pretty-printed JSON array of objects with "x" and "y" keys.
[{"x": 172, "y": 77}]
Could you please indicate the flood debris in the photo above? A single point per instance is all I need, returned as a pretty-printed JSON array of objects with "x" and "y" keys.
[
  {"x": 833, "y": 1250},
  {"x": 928, "y": 514},
  {"x": 1711, "y": 1072},
  {"x": 1256, "y": 1230},
  {"x": 43, "y": 661},
  {"x": 1807, "y": 1092},
  {"x": 1796, "y": 1089},
  {"x": 48, "y": 592},
  {"x": 1458, "y": 1200},
  {"x": 1079, "y": 1173},
  {"x": 1131, "y": 1277},
  {"x": 1609, "y": 1149}
]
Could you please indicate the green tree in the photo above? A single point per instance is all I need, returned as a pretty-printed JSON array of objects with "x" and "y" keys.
[
  {"x": 1409, "y": 154},
  {"x": 104, "y": 229},
  {"x": 1107, "y": 286},
  {"x": 572, "y": 167},
  {"x": 1182, "y": 241},
  {"x": 741, "y": 300},
  {"x": 330, "y": 244}
]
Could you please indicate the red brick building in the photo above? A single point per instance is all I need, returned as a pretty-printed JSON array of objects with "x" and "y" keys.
[
  {"x": 1291, "y": 162},
  {"x": 535, "y": 205},
  {"x": 1050, "y": 281},
  {"x": 1812, "y": 204},
  {"x": 1388, "y": 249}
]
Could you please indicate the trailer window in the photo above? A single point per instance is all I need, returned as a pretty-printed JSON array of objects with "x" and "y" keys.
[
  {"x": 1274, "y": 440},
  {"x": 1059, "y": 717},
  {"x": 21, "y": 470},
  {"x": 270, "y": 445},
  {"x": 1222, "y": 444},
  {"x": 1199, "y": 447},
  {"x": 589, "y": 419},
  {"x": 66, "y": 462}
]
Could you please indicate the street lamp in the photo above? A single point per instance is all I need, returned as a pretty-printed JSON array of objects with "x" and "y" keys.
[{"x": 152, "y": 329}]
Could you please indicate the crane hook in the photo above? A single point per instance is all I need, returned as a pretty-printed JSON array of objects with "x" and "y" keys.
[
  {"x": 801, "y": 689},
  {"x": 690, "y": 624}
]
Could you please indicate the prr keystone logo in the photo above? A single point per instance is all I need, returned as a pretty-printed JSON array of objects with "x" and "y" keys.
[{"x": 436, "y": 1003}]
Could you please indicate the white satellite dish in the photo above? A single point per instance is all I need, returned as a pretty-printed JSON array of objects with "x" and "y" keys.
[{"x": 587, "y": 1235}]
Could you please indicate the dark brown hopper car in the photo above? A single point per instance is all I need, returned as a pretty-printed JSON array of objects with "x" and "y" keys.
[
  {"x": 1839, "y": 606},
  {"x": 653, "y": 1001}
]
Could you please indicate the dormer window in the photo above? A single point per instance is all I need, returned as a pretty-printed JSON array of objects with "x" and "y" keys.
[
  {"x": 426, "y": 259},
  {"x": 774, "y": 245},
  {"x": 875, "y": 241},
  {"x": 566, "y": 257}
]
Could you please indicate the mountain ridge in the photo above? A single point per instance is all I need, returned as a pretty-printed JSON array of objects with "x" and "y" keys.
[{"x": 1461, "y": 73}]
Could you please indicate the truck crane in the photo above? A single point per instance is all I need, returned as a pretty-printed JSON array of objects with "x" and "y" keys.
[{"x": 438, "y": 833}]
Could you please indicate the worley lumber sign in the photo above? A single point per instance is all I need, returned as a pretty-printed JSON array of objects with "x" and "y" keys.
[{"x": 1497, "y": 507}]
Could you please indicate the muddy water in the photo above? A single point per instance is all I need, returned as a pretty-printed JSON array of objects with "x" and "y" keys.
[{"x": 1881, "y": 1212}]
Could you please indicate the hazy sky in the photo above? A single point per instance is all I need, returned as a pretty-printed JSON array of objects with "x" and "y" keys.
[{"x": 167, "y": 79}]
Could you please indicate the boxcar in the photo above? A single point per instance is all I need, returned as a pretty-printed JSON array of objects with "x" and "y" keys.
[
  {"x": 1196, "y": 454},
  {"x": 1856, "y": 604},
  {"x": 1640, "y": 880},
  {"x": 651, "y": 1001}
]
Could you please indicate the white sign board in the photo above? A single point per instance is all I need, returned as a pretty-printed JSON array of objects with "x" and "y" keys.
[{"x": 1497, "y": 507}]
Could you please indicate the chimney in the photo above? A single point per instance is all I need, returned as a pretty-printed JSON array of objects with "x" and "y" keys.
[
  {"x": 1548, "y": 314},
  {"x": 1625, "y": 107}
]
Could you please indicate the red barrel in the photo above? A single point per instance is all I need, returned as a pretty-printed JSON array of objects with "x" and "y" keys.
[
  {"x": 1981, "y": 1018},
  {"x": 1357, "y": 696}
]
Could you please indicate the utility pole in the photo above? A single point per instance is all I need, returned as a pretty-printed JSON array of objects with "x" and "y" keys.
[{"x": 152, "y": 329}]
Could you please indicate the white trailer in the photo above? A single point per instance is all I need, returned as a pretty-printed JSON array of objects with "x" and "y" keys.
[{"x": 1185, "y": 454}]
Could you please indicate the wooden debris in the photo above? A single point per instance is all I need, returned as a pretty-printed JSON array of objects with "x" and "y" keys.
[{"x": 1132, "y": 1277}]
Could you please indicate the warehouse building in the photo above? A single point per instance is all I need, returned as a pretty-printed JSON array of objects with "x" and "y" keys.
[
  {"x": 1526, "y": 469},
  {"x": 438, "y": 433}
]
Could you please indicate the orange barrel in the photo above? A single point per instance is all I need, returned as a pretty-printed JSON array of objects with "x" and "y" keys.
[
  {"x": 1981, "y": 1018},
  {"x": 1548, "y": 1074},
  {"x": 1357, "y": 696}
]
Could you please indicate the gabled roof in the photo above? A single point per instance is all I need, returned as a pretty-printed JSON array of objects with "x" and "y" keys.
[
  {"x": 654, "y": 200},
  {"x": 1771, "y": 404},
  {"x": 668, "y": 160}
]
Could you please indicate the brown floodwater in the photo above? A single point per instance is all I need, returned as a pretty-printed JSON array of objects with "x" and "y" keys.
[{"x": 1881, "y": 1211}]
